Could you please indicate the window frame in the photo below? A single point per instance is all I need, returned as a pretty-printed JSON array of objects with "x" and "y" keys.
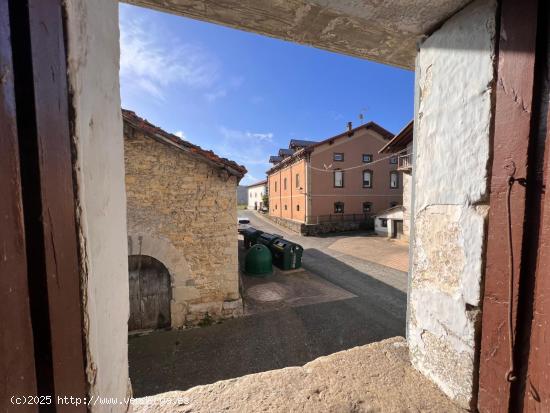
[
  {"x": 393, "y": 160},
  {"x": 392, "y": 173},
  {"x": 336, "y": 205},
  {"x": 334, "y": 154},
  {"x": 369, "y": 205},
  {"x": 369, "y": 155},
  {"x": 297, "y": 180},
  {"x": 371, "y": 178},
  {"x": 284, "y": 184},
  {"x": 334, "y": 178}
]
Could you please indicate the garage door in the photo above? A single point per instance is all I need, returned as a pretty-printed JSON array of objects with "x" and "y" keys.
[{"x": 150, "y": 293}]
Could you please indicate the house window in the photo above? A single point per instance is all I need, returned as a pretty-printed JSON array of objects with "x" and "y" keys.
[
  {"x": 275, "y": 186},
  {"x": 393, "y": 204},
  {"x": 297, "y": 207},
  {"x": 285, "y": 207},
  {"x": 393, "y": 160},
  {"x": 394, "y": 180},
  {"x": 367, "y": 157},
  {"x": 297, "y": 180},
  {"x": 367, "y": 178},
  {"x": 338, "y": 207},
  {"x": 367, "y": 207},
  {"x": 338, "y": 179},
  {"x": 338, "y": 157},
  {"x": 250, "y": 195},
  {"x": 284, "y": 184},
  {"x": 384, "y": 222}
]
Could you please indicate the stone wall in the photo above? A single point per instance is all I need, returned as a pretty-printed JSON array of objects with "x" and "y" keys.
[
  {"x": 182, "y": 211},
  {"x": 322, "y": 228},
  {"x": 455, "y": 75}
]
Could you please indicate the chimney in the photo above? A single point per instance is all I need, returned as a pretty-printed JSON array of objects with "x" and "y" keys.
[{"x": 349, "y": 127}]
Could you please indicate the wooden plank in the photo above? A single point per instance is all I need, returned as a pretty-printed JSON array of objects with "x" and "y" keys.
[
  {"x": 514, "y": 94},
  {"x": 533, "y": 394},
  {"x": 57, "y": 198},
  {"x": 16, "y": 350}
]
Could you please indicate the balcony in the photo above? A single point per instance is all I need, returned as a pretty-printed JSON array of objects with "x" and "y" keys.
[{"x": 404, "y": 162}]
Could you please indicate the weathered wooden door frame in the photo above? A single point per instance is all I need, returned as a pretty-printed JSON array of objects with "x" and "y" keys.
[
  {"x": 514, "y": 216},
  {"x": 17, "y": 351},
  {"x": 47, "y": 257}
]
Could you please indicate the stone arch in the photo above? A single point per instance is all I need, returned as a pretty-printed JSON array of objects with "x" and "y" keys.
[{"x": 182, "y": 281}]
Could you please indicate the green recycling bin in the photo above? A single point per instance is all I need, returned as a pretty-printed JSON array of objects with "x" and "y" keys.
[
  {"x": 268, "y": 239},
  {"x": 287, "y": 255},
  {"x": 251, "y": 236},
  {"x": 258, "y": 261}
]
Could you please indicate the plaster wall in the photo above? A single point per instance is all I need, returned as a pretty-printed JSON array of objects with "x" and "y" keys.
[
  {"x": 455, "y": 76},
  {"x": 390, "y": 216},
  {"x": 323, "y": 192},
  {"x": 96, "y": 128},
  {"x": 289, "y": 202},
  {"x": 256, "y": 196}
]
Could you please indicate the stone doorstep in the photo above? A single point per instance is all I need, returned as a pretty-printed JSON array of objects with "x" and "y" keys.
[{"x": 374, "y": 377}]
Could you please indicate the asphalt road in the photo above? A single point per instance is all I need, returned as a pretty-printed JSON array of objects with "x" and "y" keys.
[{"x": 177, "y": 360}]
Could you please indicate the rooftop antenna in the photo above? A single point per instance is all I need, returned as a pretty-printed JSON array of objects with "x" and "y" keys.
[{"x": 362, "y": 116}]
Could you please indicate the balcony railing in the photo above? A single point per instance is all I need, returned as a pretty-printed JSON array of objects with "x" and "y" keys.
[{"x": 404, "y": 162}]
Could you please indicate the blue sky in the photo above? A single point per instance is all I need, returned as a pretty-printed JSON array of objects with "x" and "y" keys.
[{"x": 244, "y": 95}]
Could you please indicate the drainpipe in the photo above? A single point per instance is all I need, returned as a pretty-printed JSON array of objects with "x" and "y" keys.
[{"x": 308, "y": 187}]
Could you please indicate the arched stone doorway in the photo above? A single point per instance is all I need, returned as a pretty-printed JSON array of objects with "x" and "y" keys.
[{"x": 150, "y": 293}]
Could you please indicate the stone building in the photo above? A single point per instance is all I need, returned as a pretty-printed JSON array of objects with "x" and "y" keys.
[{"x": 182, "y": 212}]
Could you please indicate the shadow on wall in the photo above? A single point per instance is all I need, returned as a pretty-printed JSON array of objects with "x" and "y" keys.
[{"x": 180, "y": 359}]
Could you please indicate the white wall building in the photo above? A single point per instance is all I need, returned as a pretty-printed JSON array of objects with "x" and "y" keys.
[
  {"x": 256, "y": 194},
  {"x": 389, "y": 223}
]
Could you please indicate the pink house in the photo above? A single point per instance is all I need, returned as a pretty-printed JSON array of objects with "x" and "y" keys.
[{"x": 340, "y": 178}]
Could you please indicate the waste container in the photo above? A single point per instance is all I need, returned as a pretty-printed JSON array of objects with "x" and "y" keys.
[
  {"x": 287, "y": 255},
  {"x": 258, "y": 261},
  {"x": 268, "y": 239},
  {"x": 251, "y": 236}
]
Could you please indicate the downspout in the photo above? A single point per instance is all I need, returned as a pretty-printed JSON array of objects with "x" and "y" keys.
[
  {"x": 291, "y": 198},
  {"x": 308, "y": 188}
]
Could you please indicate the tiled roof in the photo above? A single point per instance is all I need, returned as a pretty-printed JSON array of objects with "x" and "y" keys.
[
  {"x": 300, "y": 143},
  {"x": 275, "y": 159},
  {"x": 156, "y": 132},
  {"x": 258, "y": 183},
  {"x": 285, "y": 152},
  {"x": 399, "y": 141}
]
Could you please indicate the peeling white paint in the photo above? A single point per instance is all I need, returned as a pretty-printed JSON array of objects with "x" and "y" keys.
[
  {"x": 93, "y": 63},
  {"x": 455, "y": 69}
]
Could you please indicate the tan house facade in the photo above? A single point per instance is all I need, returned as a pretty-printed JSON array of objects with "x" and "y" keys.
[
  {"x": 340, "y": 178},
  {"x": 182, "y": 229}
]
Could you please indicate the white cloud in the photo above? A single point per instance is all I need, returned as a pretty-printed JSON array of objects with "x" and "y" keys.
[
  {"x": 215, "y": 95},
  {"x": 266, "y": 137},
  {"x": 180, "y": 134},
  {"x": 152, "y": 62}
]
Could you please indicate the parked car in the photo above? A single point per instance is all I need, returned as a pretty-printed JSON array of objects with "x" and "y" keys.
[
  {"x": 242, "y": 224},
  {"x": 263, "y": 209}
]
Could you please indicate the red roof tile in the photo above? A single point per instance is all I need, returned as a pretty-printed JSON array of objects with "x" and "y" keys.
[{"x": 148, "y": 128}]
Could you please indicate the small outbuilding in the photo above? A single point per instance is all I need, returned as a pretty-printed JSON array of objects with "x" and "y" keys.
[
  {"x": 389, "y": 223},
  {"x": 182, "y": 229}
]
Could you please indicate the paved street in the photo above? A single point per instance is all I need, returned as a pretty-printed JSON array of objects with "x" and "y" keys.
[{"x": 344, "y": 301}]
